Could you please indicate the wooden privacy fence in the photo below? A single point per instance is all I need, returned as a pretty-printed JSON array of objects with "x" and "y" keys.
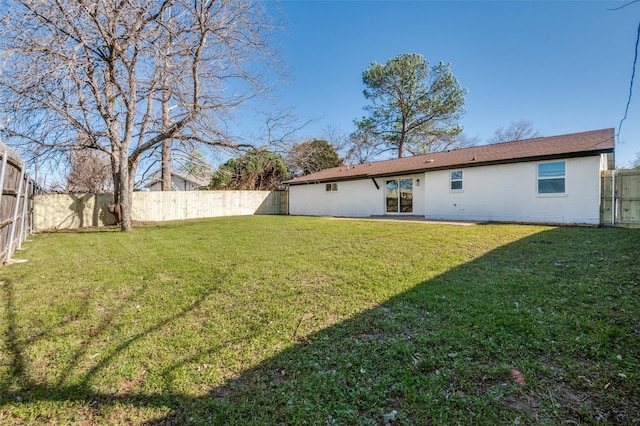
[
  {"x": 620, "y": 203},
  {"x": 69, "y": 211},
  {"x": 15, "y": 203}
]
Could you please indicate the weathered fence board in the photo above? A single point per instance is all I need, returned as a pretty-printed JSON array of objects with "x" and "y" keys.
[
  {"x": 15, "y": 203},
  {"x": 69, "y": 211},
  {"x": 620, "y": 203}
]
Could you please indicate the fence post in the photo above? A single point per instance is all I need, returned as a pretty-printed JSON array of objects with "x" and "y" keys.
[
  {"x": 25, "y": 201},
  {"x": 12, "y": 233},
  {"x": 613, "y": 198},
  {"x": 2, "y": 172}
]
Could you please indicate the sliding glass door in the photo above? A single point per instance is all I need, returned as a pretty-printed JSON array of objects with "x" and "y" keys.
[{"x": 399, "y": 195}]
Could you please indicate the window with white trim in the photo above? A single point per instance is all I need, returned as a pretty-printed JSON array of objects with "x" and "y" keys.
[
  {"x": 331, "y": 187},
  {"x": 455, "y": 180},
  {"x": 551, "y": 178}
]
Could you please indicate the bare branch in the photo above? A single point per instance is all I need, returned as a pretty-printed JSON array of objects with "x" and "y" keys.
[
  {"x": 102, "y": 72},
  {"x": 515, "y": 131}
]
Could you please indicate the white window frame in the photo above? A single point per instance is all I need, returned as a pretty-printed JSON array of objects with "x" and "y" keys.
[
  {"x": 539, "y": 178},
  {"x": 452, "y": 180},
  {"x": 331, "y": 187}
]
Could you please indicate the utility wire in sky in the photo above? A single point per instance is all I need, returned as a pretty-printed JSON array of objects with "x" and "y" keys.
[
  {"x": 633, "y": 74},
  {"x": 624, "y": 5},
  {"x": 633, "y": 71}
]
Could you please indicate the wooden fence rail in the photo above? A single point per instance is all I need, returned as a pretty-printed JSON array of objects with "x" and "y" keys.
[{"x": 15, "y": 203}]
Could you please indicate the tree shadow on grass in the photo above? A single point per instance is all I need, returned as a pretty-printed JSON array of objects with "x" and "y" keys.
[
  {"x": 18, "y": 386},
  {"x": 558, "y": 306}
]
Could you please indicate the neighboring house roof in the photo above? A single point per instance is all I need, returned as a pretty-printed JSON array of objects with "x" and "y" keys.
[
  {"x": 192, "y": 178},
  {"x": 196, "y": 181},
  {"x": 563, "y": 146}
]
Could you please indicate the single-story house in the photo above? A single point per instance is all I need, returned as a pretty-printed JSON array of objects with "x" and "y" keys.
[
  {"x": 552, "y": 179},
  {"x": 179, "y": 182}
]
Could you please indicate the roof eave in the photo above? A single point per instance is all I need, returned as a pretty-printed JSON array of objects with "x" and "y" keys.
[
  {"x": 454, "y": 166},
  {"x": 323, "y": 180},
  {"x": 519, "y": 160}
]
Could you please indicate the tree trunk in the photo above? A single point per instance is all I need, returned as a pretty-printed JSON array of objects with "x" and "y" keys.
[
  {"x": 114, "y": 208},
  {"x": 403, "y": 138},
  {"x": 166, "y": 144},
  {"x": 126, "y": 193},
  {"x": 166, "y": 165},
  {"x": 401, "y": 143}
]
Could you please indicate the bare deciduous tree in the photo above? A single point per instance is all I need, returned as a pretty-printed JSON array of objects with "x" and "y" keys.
[
  {"x": 90, "y": 172},
  {"x": 515, "y": 131},
  {"x": 193, "y": 162},
  {"x": 364, "y": 143},
  {"x": 126, "y": 76},
  {"x": 464, "y": 140},
  {"x": 336, "y": 136}
]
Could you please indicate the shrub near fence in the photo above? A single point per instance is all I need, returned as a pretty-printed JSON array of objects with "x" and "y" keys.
[
  {"x": 70, "y": 211},
  {"x": 15, "y": 203}
]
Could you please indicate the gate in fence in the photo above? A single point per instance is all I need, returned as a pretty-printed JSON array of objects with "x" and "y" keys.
[
  {"x": 620, "y": 203},
  {"x": 15, "y": 203}
]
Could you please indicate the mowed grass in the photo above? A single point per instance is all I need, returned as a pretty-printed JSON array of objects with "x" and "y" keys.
[{"x": 291, "y": 320}]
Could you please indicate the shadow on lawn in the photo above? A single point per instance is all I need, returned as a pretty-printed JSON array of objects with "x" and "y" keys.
[
  {"x": 439, "y": 353},
  {"x": 17, "y": 385}
]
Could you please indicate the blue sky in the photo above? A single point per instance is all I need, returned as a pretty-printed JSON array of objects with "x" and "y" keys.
[{"x": 564, "y": 65}]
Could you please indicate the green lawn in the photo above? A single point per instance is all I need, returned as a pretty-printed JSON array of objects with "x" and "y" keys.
[{"x": 291, "y": 320}]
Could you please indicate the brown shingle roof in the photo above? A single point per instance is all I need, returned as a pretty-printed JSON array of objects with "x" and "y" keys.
[{"x": 571, "y": 145}]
